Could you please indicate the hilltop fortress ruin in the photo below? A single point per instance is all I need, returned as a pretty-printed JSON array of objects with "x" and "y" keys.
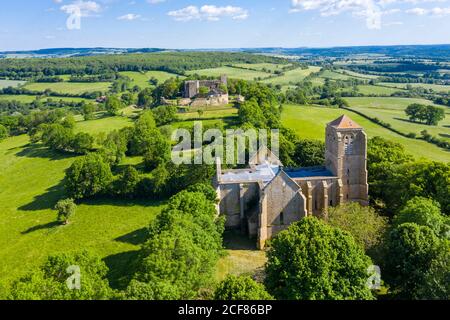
[
  {"x": 266, "y": 198},
  {"x": 216, "y": 96}
]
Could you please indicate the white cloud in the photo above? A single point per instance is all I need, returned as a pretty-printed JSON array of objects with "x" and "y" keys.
[
  {"x": 208, "y": 12},
  {"x": 371, "y": 10},
  {"x": 129, "y": 17},
  {"x": 85, "y": 8}
]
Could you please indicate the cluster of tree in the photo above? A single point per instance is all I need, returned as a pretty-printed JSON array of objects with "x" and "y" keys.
[
  {"x": 430, "y": 115},
  {"x": 50, "y": 280},
  {"x": 183, "y": 246},
  {"x": 60, "y": 136},
  {"x": 49, "y": 79},
  {"x": 395, "y": 178},
  {"x": 176, "y": 62},
  {"x": 104, "y": 77},
  {"x": 444, "y": 101},
  {"x": 10, "y": 107}
]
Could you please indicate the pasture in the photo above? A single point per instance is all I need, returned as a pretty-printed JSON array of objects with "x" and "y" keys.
[
  {"x": 377, "y": 90},
  {"x": 142, "y": 78},
  {"x": 264, "y": 67},
  {"x": 10, "y": 83},
  {"x": 392, "y": 112},
  {"x": 434, "y": 87},
  {"x": 309, "y": 122},
  {"x": 70, "y": 87},
  {"x": 292, "y": 77},
  {"x": 30, "y": 185},
  {"x": 233, "y": 73}
]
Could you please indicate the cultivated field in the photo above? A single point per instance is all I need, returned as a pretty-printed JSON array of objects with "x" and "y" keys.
[
  {"x": 309, "y": 122},
  {"x": 70, "y": 87}
]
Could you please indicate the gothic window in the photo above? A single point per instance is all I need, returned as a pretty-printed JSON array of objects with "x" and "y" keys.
[
  {"x": 348, "y": 144},
  {"x": 282, "y": 218}
]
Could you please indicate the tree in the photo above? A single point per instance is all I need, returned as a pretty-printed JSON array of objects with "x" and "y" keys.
[
  {"x": 240, "y": 288},
  {"x": 365, "y": 225},
  {"x": 142, "y": 134},
  {"x": 205, "y": 189},
  {"x": 417, "y": 263},
  {"x": 49, "y": 281},
  {"x": 88, "y": 176},
  {"x": 82, "y": 143},
  {"x": 88, "y": 110},
  {"x": 203, "y": 91},
  {"x": 68, "y": 122},
  {"x": 423, "y": 212},
  {"x": 414, "y": 111},
  {"x": 165, "y": 115},
  {"x": 157, "y": 149},
  {"x": 66, "y": 208},
  {"x": 433, "y": 115},
  {"x": 3, "y": 132},
  {"x": 145, "y": 98},
  {"x": 114, "y": 146},
  {"x": 309, "y": 153},
  {"x": 56, "y": 136},
  {"x": 113, "y": 105},
  {"x": 314, "y": 261},
  {"x": 127, "y": 182},
  {"x": 180, "y": 255}
]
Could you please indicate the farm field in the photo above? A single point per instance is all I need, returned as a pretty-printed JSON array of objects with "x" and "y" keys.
[
  {"x": 260, "y": 66},
  {"x": 28, "y": 98},
  {"x": 233, "y": 73},
  {"x": 435, "y": 87},
  {"x": 10, "y": 83},
  {"x": 28, "y": 232},
  {"x": 142, "y": 79},
  {"x": 292, "y": 76},
  {"x": 104, "y": 125},
  {"x": 377, "y": 90},
  {"x": 70, "y": 87},
  {"x": 390, "y": 103},
  {"x": 309, "y": 122},
  {"x": 398, "y": 119}
]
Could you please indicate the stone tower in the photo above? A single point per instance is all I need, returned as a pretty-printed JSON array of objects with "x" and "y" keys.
[{"x": 346, "y": 158}]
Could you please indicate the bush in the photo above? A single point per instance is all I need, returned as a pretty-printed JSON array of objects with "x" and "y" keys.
[{"x": 66, "y": 208}]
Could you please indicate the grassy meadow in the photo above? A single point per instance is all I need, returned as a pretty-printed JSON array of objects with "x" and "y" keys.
[
  {"x": 30, "y": 185},
  {"x": 309, "y": 122},
  {"x": 434, "y": 87},
  {"x": 70, "y": 87},
  {"x": 142, "y": 78},
  {"x": 10, "y": 83},
  {"x": 292, "y": 76},
  {"x": 29, "y": 98},
  {"x": 233, "y": 73}
]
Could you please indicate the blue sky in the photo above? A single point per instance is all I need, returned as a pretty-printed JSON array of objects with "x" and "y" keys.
[{"x": 34, "y": 24}]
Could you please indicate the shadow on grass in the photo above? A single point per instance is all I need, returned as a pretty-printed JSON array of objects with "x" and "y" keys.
[
  {"x": 407, "y": 120},
  {"x": 47, "y": 200},
  {"x": 39, "y": 151},
  {"x": 444, "y": 135},
  {"x": 234, "y": 240},
  {"x": 136, "y": 237},
  {"x": 122, "y": 267},
  {"x": 45, "y": 226}
]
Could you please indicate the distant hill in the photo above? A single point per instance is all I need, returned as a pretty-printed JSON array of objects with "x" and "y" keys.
[{"x": 437, "y": 52}]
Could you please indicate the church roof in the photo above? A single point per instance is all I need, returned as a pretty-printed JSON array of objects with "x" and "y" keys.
[{"x": 344, "y": 122}]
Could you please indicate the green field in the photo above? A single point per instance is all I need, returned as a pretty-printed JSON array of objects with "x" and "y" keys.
[
  {"x": 105, "y": 125},
  {"x": 377, "y": 90},
  {"x": 10, "y": 83},
  {"x": 30, "y": 185},
  {"x": 435, "y": 87},
  {"x": 309, "y": 122},
  {"x": 27, "y": 98},
  {"x": 271, "y": 67},
  {"x": 70, "y": 87},
  {"x": 234, "y": 73},
  {"x": 142, "y": 79},
  {"x": 395, "y": 115},
  {"x": 292, "y": 77}
]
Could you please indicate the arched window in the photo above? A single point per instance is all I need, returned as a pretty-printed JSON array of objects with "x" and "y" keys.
[{"x": 282, "y": 218}]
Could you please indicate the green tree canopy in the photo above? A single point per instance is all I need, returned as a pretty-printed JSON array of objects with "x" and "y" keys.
[
  {"x": 314, "y": 261},
  {"x": 48, "y": 282},
  {"x": 240, "y": 288},
  {"x": 66, "y": 208},
  {"x": 88, "y": 176}
]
